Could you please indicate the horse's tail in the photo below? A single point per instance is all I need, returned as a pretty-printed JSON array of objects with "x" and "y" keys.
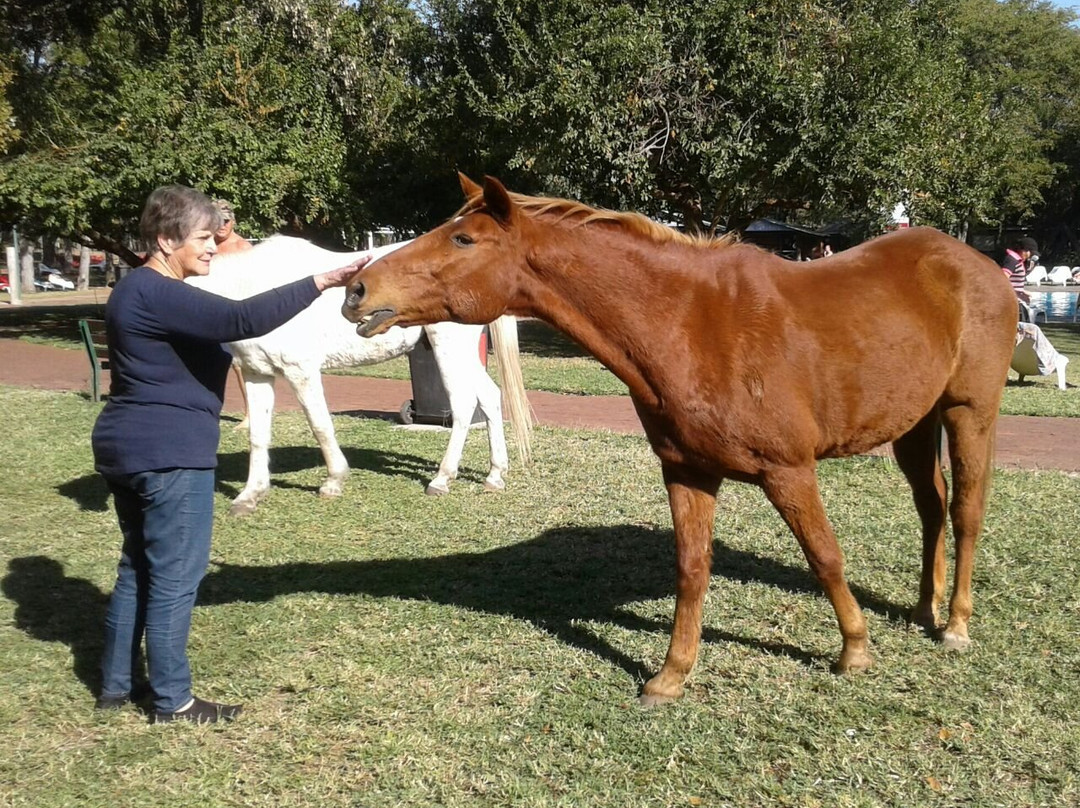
[{"x": 504, "y": 339}]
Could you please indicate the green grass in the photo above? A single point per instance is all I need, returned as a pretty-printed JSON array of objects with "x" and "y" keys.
[
  {"x": 486, "y": 650},
  {"x": 552, "y": 362}
]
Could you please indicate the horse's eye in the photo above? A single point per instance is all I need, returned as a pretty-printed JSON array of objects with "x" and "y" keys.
[{"x": 462, "y": 239}]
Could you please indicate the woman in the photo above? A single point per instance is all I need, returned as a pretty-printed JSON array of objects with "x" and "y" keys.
[{"x": 156, "y": 440}]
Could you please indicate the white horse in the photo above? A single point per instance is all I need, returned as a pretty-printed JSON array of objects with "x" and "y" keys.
[{"x": 320, "y": 338}]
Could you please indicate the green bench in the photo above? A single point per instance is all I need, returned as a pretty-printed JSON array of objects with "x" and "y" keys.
[{"x": 93, "y": 338}]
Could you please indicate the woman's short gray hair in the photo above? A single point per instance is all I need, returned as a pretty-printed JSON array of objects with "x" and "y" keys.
[{"x": 175, "y": 212}]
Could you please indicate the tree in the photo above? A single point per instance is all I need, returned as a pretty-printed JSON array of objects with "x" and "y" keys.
[
  {"x": 714, "y": 112},
  {"x": 246, "y": 101},
  {"x": 1027, "y": 55}
]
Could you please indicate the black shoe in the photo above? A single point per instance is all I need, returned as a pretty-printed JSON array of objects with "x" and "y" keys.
[
  {"x": 111, "y": 702},
  {"x": 139, "y": 692},
  {"x": 199, "y": 712}
]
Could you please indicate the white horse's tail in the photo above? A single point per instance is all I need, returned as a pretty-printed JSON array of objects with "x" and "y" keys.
[{"x": 504, "y": 339}]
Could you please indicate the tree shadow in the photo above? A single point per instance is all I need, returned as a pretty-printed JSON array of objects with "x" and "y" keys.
[
  {"x": 52, "y": 323},
  {"x": 537, "y": 338},
  {"x": 558, "y": 582}
]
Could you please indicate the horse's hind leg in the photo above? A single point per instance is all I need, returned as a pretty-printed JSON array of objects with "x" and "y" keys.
[
  {"x": 917, "y": 455},
  {"x": 490, "y": 398},
  {"x": 260, "y": 398},
  {"x": 466, "y": 383},
  {"x": 971, "y": 436},
  {"x": 307, "y": 384},
  {"x": 794, "y": 493}
]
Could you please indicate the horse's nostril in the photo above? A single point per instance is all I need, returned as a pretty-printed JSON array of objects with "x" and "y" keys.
[{"x": 353, "y": 298}]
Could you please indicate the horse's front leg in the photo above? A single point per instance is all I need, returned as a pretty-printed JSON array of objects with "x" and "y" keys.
[
  {"x": 794, "y": 493},
  {"x": 306, "y": 382},
  {"x": 693, "y": 505},
  {"x": 260, "y": 401}
]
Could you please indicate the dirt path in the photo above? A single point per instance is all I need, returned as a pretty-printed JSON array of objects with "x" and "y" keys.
[{"x": 1023, "y": 442}]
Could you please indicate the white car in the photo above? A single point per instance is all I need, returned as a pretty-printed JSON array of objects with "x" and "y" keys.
[{"x": 51, "y": 279}]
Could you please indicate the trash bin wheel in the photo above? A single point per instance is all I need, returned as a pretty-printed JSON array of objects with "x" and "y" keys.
[{"x": 405, "y": 414}]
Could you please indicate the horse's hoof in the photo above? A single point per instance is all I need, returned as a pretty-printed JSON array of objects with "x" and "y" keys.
[
  {"x": 854, "y": 662},
  {"x": 925, "y": 619},
  {"x": 436, "y": 491},
  {"x": 649, "y": 700},
  {"x": 494, "y": 488},
  {"x": 244, "y": 508},
  {"x": 955, "y": 642},
  {"x": 330, "y": 490}
]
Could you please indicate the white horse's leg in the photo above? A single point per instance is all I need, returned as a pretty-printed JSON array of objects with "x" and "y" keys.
[
  {"x": 466, "y": 383},
  {"x": 491, "y": 405},
  {"x": 260, "y": 397},
  {"x": 307, "y": 384}
]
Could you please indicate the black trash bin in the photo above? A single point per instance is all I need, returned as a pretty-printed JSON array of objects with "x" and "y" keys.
[{"x": 430, "y": 404}]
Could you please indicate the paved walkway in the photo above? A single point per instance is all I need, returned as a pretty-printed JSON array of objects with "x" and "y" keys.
[{"x": 1023, "y": 442}]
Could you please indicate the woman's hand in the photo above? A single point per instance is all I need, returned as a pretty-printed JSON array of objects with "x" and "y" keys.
[{"x": 341, "y": 275}]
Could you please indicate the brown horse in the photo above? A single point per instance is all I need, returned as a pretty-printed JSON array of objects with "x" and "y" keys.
[{"x": 742, "y": 365}]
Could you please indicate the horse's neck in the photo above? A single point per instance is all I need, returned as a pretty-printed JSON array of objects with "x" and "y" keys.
[{"x": 619, "y": 300}]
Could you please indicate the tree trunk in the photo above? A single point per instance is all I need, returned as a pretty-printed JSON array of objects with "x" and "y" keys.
[
  {"x": 48, "y": 253},
  {"x": 83, "y": 282},
  {"x": 26, "y": 260},
  {"x": 14, "y": 290}
]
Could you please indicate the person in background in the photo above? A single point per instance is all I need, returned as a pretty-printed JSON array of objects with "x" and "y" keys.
[
  {"x": 226, "y": 237},
  {"x": 1015, "y": 265},
  {"x": 155, "y": 442},
  {"x": 229, "y": 241}
]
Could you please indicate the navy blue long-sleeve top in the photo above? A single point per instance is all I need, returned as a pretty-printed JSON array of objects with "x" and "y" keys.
[{"x": 168, "y": 367}]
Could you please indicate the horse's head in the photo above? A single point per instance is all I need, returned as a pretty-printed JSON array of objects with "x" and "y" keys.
[{"x": 462, "y": 271}]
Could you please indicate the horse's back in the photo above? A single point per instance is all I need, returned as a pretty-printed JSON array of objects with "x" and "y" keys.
[
  {"x": 862, "y": 345},
  {"x": 318, "y": 337}
]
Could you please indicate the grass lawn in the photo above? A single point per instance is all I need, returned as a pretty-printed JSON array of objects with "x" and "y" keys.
[
  {"x": 552, "y": 362},
  {"x": 486, "y": 650}
]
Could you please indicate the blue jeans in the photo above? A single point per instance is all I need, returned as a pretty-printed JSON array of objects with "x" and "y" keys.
[{"x": 166, "y": 518}]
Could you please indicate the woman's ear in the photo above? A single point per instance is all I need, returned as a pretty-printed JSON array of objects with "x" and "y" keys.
[{"x": 166, "y": 245}]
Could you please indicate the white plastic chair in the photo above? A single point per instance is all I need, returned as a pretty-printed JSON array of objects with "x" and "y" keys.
[
  {"x": 1060, "y": 274},
  {"x": 1037, "y": 275}
]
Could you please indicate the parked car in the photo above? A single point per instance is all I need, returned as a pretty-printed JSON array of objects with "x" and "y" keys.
[
  {"x": 4, "y": 283},
  {"x": 51, "y": 279}
]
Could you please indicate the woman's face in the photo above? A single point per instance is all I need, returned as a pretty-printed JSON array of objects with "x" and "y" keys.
[
  {"x": 224, "y": 231},
  {"x": 192, "y": 256}
]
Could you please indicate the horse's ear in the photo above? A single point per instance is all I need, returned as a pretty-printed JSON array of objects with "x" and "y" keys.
[
  {"x": 498, "y": 202},
  {"x": 468, "y": 187}
]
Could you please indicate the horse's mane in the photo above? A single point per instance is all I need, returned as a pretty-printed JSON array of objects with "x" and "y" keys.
[{"x": 578, "y": 213}]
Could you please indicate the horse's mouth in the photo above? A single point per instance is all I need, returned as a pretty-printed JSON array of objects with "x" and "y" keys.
[{"x": 372, "y": 324}]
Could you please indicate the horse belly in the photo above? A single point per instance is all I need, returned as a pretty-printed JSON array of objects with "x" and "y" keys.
[{"x": 869, "y": 422}]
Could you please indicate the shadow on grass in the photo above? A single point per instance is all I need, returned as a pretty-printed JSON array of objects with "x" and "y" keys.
[
  {"x": 92, "y": 494},
  {"x": 537, "y": 338},
  {"x": 52, "y": 607},
  {"x": 59, "y": 323},
  {"x": 557, "y": 581}
]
